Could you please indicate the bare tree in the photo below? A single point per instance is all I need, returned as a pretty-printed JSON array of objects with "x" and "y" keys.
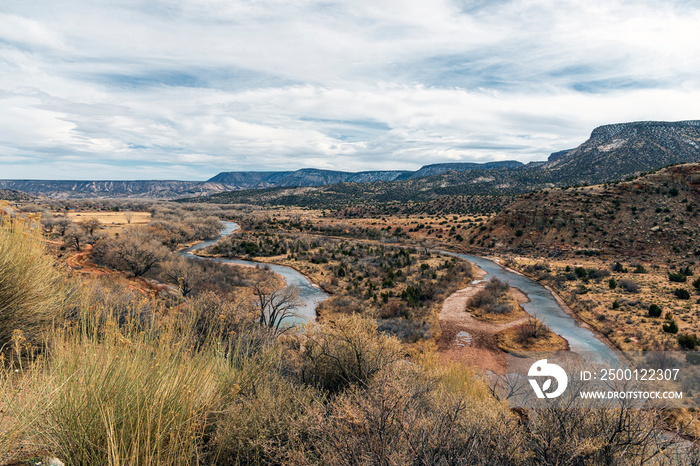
[
  {"x": 134, "y": 250},
  {"x": 74, "y": 237},
  {"x": 90, "y": 225},
  {"x": 275, "y": 306},
  {"x": 129, "y": 215},
  {"x": 186, "y": 274}
]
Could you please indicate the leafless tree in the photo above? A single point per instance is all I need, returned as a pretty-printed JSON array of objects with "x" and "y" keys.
[
  {"x": 186, "y": 274},
  {"x": 275, "y": 306},
  {"x": 90, "y": 225},
  {"x": 129, "y": 215},
  {"x": 134, "y": 251},
  {"x": 74, "y": 237}
]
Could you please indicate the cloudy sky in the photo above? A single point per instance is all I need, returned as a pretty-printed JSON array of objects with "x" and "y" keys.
[{"x": 184, "y": 89}]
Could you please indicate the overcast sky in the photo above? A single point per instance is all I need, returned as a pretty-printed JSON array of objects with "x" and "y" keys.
[{"x": 167, "y": 89}]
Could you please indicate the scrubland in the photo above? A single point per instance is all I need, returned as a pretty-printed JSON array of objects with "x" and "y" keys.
[{"x": 98, "y": 369}]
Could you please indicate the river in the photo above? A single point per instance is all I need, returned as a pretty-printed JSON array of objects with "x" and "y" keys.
[
  {"x": 542, "y": 303},
  {"x": 310, "y": 295}
]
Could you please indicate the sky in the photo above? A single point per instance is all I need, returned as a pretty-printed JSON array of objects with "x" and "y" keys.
[{"x": 185, "y": 89}]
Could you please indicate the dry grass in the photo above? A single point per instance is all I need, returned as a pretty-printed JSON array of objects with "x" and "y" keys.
[
  {"x": 112, "y": 222},
  {"x": 511, "y": 341}
]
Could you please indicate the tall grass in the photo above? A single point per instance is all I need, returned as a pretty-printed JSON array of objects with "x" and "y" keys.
[
  {"x": 127, "y": 398},
  {"x": 33, "y": 292}
]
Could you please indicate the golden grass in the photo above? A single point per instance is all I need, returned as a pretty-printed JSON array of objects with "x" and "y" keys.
[
  {"x": 112, "y": 222},
  {"x": 508, "y": 340},
  {"x": 516, "y": 313}
]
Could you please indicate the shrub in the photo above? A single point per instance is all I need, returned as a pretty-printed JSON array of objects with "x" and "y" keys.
[
  {"x": 135, "y": 251},
  {"x": 615, "y": 305},
  {"x": 670, "y": 327},
  {"x": 33, "y": 292},
  {"x": 400, "y": 419},
  {"x": 494, "y": 298},
  {"x": 612, "y": 284},
  {"x": 347, "y": 351},
  {"x": 618, "y": 267},
  {"x": 696, "y": 283},
  {"x": 629, "y": 285},
  {"x": 688, "y": 341},
  {"x": 654, "y": 311},
  {"x": 677, "y": 277},
  {"x": 681, "y": 293}
]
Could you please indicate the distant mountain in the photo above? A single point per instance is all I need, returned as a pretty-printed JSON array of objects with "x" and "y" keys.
[
  {"x": 438, "y": 168},
  {"x": 114, "y": 189},
  {"x": 612, "y": 152},
  {"x": 316, "y": 177},
  {"x": 303, "y": 177},
  {"x": 616, "y": 151},
  {"x": 231, "y": 181}
]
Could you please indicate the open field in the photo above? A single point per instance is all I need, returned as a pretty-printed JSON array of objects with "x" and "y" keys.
[{"x": 112, "y": 222}]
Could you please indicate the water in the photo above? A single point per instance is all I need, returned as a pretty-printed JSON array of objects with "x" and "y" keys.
[
  {"x": 310, "y": 295},
  {"x": 543, "y": 304}
]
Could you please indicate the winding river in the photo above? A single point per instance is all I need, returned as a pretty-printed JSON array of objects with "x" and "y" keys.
[
  {"x": 310, "y": 295},
  {"x": 548, "y": 311},
  {"x": 542, "y": 302}
]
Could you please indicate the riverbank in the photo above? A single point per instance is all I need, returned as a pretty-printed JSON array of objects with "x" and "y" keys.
[{"x": 471, "y": 341}]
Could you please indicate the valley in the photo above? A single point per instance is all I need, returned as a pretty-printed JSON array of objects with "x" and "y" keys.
[{"x": 310, "y": 299}]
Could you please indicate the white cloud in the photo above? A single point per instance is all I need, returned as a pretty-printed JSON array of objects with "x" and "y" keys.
[{"x": 186, "y": 88}]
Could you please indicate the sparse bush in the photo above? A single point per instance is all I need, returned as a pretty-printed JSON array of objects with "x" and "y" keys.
[
  {"x": 135, "y": 251},
  {"x": 654, "y": 311},
  {"x": 677, "y": 277},
  {"x": 612, "y": 284},
  {"x": 530, "y": 331},
  {"x": 400, "y": 419},
  {"x": 681, "y": 293},
  {"x": 670, "y": 327},
  {"x": 688, "y": 341},
  {"x": 629, "y": 285},
  {"x": 616, "y": 304},
  {"x": 495, "y": 298},
  {"x": 618, "y": 267},
  {"x": 347, "y": 351}
]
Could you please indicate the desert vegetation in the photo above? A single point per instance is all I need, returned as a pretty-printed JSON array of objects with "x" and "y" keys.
[
  {"x": 402, "y": 287},
  {"x": 495, "y": 303}
]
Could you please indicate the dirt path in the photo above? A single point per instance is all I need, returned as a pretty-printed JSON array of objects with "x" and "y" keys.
[{"x": 468, "y": 340}]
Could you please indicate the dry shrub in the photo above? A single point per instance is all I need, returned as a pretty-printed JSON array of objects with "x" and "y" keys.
[
  {"x": 346, "y": 351},
  {"x": 494, "y": 298},
  {"x": 267, "y": 423},
  {"x": 33, "y": 292},
  {"x": 530, "y": 331},
  {"x": 404, "y": 417}
]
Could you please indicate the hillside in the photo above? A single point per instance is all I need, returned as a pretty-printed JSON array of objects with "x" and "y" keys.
[
  {"x": 616, "y": 151},
  {"x": 14, "y": 196},
  {"x": 651, "y": 216},
  {"x": 316, "y": 177},
  {"x": 114, "y": 189}
]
